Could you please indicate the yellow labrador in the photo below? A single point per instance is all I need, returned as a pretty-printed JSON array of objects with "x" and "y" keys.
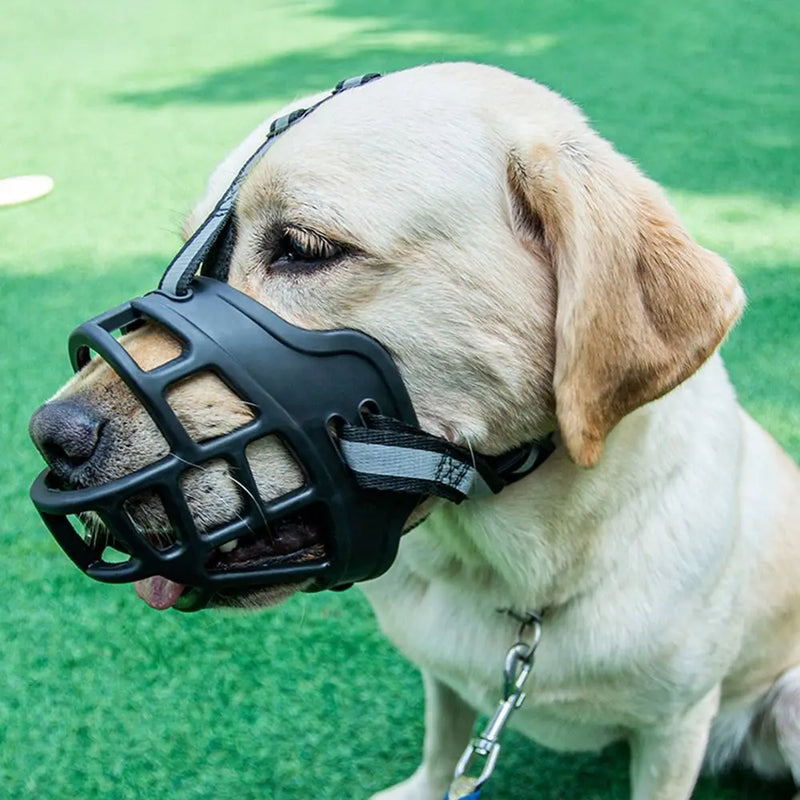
[{"x": 528, "y": 278}]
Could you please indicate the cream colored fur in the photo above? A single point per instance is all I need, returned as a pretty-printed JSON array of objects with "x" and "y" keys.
[{"x": 527, "y": 277}]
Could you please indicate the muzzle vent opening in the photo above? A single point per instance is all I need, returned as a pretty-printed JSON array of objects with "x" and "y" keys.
[
  {"x": 107, "y": 551},
  {"x": 154, "y": 346},
  {"x": 150, "y": 344},
  {"x": 207, "y": 407},
  {"x": 149, "y": 518},
  {"x": 112, "y": 555},
  {"x": 218, "y": 497},
  {"x": 276, "y": 470}
]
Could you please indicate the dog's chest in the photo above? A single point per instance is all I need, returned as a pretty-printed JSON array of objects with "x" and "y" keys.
[{"x": 451, "y": 627}]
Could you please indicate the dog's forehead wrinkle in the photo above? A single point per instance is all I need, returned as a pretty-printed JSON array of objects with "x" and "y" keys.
[
  {"x": 382, "y": 228},
  {"x": 263, "y": 196},
  {"x": 310, "y": 170},
  {"x": 266, "y": 212}
]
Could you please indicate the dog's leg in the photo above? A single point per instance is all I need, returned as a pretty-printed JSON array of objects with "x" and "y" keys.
[
  {"x": 666, "y": 760},
  {"x": 772, "y": 745},
  {"x": 787, "y": 722},
  {"x": 448, "y": 727}
]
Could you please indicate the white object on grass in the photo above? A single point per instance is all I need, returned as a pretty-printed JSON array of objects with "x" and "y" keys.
[{"x": 23, "y": 188}]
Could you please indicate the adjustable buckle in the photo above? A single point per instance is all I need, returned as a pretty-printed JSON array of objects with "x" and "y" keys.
[{"x": 495, "y": 473}]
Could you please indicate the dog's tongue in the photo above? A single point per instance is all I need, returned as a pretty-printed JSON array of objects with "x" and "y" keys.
[{"x": 159, "y": 592}]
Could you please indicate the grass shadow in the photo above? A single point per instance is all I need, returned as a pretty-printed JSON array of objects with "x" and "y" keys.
[{"x": 703, "y": 95}]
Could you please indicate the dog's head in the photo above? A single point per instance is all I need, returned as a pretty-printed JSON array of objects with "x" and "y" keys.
[{"x": 523, "y": 275}]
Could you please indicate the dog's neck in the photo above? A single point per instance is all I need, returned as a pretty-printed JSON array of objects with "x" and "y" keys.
[{"x": 535, "y": 544}]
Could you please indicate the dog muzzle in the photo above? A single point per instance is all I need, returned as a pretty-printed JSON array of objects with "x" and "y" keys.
[{"x": 334, "y": 399}]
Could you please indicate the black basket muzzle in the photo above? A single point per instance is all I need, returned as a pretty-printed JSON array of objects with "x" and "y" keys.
[
  {"x": 301, "y": 385},
  {"x": 360, "y": 488}
]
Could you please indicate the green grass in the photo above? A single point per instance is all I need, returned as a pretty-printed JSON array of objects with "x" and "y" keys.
[{"x": 128, "y": 105}]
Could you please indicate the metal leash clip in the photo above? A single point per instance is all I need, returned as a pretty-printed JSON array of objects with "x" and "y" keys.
[{"x": 486, "y": 746}]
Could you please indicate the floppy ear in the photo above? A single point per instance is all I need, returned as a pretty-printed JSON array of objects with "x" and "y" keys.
[{"x": 640, "y": 304}]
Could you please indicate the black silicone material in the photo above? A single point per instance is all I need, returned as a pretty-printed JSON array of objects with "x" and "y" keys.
[{"x": 298, "y": 380}]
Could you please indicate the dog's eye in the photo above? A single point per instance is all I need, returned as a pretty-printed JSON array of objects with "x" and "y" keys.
[{"x": 304, "y": 247}]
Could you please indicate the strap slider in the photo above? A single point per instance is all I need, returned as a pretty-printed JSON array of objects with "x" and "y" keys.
[
  {"x": 352, "y": 83},
  {"x": 279, "y": 125}
]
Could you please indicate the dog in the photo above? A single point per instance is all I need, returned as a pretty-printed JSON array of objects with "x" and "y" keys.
[{"x": 526, "y": 279}]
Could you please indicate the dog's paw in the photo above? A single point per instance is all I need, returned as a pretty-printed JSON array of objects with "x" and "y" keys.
[{"x": 418, "y": 787}]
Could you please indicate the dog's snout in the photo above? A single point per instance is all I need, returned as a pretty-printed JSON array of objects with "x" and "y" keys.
[{"x": 67, "y": 434}]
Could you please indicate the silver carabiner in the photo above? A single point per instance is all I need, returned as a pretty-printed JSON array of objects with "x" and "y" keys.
[
  {"x": 519, "y": 659},
  {"x": 519, "y": 663},
  {"x": 517, "y": 668}
]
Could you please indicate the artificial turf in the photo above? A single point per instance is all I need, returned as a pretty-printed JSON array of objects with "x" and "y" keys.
[{"x": 128, "y": 106}]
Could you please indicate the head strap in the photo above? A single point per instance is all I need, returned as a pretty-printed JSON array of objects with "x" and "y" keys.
[{"x": 198, "y": 248}]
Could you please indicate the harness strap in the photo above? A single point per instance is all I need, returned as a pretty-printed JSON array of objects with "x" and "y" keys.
[
  {"x": 198, "y": 248},
  {"x": 388, "y": 455}
]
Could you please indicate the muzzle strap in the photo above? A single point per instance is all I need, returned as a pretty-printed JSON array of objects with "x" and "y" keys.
[
  {"x": 388, "y": 455},
  {"x": 218, "y": 225}
]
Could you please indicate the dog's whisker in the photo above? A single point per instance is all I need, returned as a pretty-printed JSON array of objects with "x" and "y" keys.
[
  {"x": 471, "y": 451},
  {"x": 234, "y": 480},
  {"x": 255, "y": 500},
  {"x": 191, "y": 463}
]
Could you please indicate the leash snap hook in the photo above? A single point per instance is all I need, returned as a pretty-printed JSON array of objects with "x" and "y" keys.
[
  {"x": 519, "y": 659},
  {"x": 516, "y": 670},
  {"x": 518, "y": 666},
  {"x": 477, "y": 748}
]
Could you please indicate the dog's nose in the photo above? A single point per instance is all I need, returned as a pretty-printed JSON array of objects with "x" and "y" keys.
[{"x": 67, "y": 434}]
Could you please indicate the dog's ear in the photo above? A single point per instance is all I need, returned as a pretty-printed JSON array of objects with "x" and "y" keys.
[{"x": 640, "y": 304}]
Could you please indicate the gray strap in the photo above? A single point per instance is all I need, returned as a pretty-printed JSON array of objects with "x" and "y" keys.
[
  {"x": 389, "y": 461},
  {"x": 388, "y": 455}
]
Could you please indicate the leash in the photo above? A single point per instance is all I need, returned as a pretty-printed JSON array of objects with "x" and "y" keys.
[{"x": 485, "y": 748}]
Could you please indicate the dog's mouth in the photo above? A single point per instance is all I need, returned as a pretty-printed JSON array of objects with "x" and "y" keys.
[{"x": 294, "y": 540}]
